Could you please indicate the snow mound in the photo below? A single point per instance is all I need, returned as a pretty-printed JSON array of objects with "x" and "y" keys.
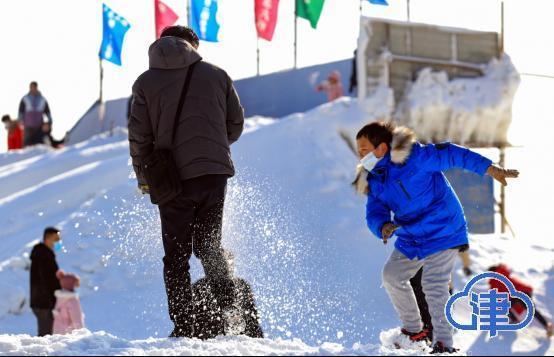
[
  {"x": 292, "y": 219},
  {"x": 463, "y": 110},
  {"x": 101, "y": 343}
]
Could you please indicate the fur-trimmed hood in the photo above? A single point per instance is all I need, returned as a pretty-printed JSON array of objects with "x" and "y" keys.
[{"x": 403, "y": 140}]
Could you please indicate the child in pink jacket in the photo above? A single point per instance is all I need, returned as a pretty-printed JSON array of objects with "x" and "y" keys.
[
  {"x": 332, "y": 86},
  {"x": 67, "y": 313}
]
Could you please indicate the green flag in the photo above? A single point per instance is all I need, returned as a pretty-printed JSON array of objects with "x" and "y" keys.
[{"x": 309, "y": 10}]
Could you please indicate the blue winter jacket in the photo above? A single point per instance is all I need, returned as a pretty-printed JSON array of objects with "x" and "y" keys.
[{"x": 409, "y": 183}]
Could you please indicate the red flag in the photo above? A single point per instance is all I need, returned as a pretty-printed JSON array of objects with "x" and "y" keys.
[
  {"x": 266, "y": 17},
  {"x": 165, "y": 16}
]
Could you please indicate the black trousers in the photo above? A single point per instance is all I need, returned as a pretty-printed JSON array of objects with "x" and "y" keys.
[
  {"x": 33, "y": 136},
  {"x": 192, "y": 223},
  {"x": 420, "y": 298},
  {"x": 45, "y": 321}
]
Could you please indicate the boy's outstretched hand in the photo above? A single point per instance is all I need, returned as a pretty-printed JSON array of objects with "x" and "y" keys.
[
  {"x": 387, "y": 231},
  {"x": 500, "y": 174}
]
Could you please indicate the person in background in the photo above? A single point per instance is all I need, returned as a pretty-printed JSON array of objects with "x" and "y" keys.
[
  {"x": 208, "y": 319},
  {"x": 44, "y": 282},
  {"x": 466, "y": 262},
  {"x": 68, "y": 315},
  {"x": 354, "y": 74},
  {"x": 15, "y": 133},
  {"x": 332, "y": 86},
  {"x": 518, "y": 309},
  {"x": 32, "y": 109}
]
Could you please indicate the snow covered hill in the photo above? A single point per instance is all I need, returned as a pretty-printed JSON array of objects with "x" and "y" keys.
[{"x": 293, "y": 221}]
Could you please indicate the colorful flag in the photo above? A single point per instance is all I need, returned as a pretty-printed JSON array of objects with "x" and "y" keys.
[
  {"x": 114, "y": 29},
  {"x": 309, "y": 10},
  {"x": 165, "y": 16},
  {"x": 203, "y": 19},
  {"x": 379, "y": 2},
  {"x": 266, "y": 17}
]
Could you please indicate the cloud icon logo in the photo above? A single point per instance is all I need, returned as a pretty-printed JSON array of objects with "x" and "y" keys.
[{"x": 490, "y": 308}]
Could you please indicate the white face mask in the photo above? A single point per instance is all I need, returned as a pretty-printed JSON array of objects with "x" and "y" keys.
[{"x": 369, "y": 161}]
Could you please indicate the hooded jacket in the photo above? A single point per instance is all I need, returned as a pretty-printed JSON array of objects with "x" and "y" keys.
[
  {"x": 43, "y": 277},
  {"x": 212, "y": 117},
  {"x": 410, "y": 183},
  {"x": 518, "y": 284},
  {"x": 68, "y": 315}
]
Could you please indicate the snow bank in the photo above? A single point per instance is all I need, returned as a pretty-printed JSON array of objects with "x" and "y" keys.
[
  {"x": 292, "y": 219},
  {"x": 476, "y": 110},
  {"x": 84, "y": 342}
]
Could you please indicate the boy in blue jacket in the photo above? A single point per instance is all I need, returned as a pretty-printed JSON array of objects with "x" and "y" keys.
[{"x": 405, "y": 178}]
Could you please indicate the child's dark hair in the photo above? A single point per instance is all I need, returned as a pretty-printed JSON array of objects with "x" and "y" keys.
[
  {"x": 6, "y": 118},
  {"x": 186, "y": 33},
  {"x": 377, "y": 133},
  {"x": 50, "y": 231}
]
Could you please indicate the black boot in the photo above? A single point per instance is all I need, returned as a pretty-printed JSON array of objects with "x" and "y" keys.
[
  {"x": 439, "y": 347},
  {"x": 183, "y": 330}
]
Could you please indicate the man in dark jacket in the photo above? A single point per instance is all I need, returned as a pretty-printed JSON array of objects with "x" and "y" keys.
[
  {"x": 43, "y": 280},
  {"x": 209, "y": 321},
  {"x": 211, "y": 120}
]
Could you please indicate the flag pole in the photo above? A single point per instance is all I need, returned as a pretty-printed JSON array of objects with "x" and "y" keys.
[
  {"x": 257, "y": 55},
  {"x": 101, "y": 80},
  {"x": 188, "y": 14},
  {"x": 295, "y": 32}
]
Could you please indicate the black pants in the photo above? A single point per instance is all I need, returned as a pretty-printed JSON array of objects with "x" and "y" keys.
[
  {"x": 192, "y": 223},
  {"x": 33, "y": 136},
  {"x": 45, "y": 320},
  {"x": 208, "y": 319},
  {"x": 421, "y": 302}
]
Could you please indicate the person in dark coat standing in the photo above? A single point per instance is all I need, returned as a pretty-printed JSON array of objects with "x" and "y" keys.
[
  {"x": 211, "y": 120},
  {"x": 44, "y": 282},
  {"x": 209, "y": 321}
]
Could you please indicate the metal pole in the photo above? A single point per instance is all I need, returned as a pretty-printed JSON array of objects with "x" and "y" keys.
[
  {"x": 408, "y": 9},
  {"x": 502, "y": 194},
  {"x": 257, "y": 56},
  {"x": 501, "y": 28},
  {"x": 361, "y": 7},
  {"x": 101, "y": 80},
  {"x": 188, "y": 14},
  {"x": 295, "y": 34}
]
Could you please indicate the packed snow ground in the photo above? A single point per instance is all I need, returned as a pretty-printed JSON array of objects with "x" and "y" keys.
[{"x": 292, "y": 220}]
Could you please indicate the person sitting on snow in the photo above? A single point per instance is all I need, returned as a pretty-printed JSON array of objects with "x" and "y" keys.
[
  {"x": 406, "y": 178},
  {"x": 518, "y": 308},
  {"x": 208, "y": 319},
  {"x": 68, "y": 315},
  {"x": 332, "y": 86}
]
